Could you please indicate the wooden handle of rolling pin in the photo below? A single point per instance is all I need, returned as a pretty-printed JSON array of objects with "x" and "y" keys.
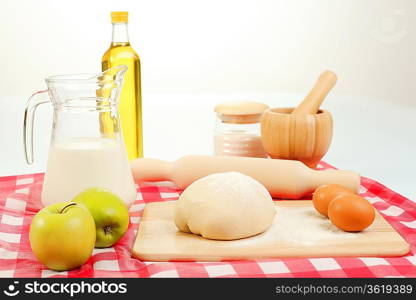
[
  {"x": 312, "y": 102},
  {"x": 287, "y": 179}
]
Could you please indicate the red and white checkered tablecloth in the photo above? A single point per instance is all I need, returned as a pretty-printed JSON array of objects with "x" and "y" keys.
[{"x": 19, "y": 202}]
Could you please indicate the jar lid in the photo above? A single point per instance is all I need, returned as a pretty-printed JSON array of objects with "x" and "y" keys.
[{"x": 240, "y": 111}]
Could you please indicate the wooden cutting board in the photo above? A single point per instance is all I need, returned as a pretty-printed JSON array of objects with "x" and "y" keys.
[{"x": 158, "y": 239}]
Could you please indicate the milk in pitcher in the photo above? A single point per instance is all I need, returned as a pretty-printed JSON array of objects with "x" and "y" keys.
[{"x": 76, "y": 164}]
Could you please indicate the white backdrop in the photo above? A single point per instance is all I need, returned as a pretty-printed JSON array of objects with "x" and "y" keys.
[
  {"x": 219, "y": 45},
  {"x": 196, "y": 53}
]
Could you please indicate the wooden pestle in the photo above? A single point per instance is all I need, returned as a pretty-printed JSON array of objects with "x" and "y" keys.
[
  {"x": 312, "y": 102},
  {"x": 288, "y": 179}
]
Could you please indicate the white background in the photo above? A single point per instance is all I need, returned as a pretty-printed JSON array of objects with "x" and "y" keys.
[{"x": 197, "y": 53}]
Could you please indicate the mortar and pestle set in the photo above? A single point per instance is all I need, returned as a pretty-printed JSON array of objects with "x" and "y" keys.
[{"x": 303, "y": 133}]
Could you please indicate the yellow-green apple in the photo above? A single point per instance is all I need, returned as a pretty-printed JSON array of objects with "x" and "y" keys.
[
  {"x": 62, "y": 235},
  {"x": 109, "y": 212}
]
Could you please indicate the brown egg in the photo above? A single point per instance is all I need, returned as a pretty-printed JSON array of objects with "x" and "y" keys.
[
  {"x": 351, "y": 212},
  {"x": 324, "y": 194}
]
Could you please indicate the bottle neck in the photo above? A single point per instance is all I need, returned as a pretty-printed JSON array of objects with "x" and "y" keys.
[{"x": 120, "y": 33}]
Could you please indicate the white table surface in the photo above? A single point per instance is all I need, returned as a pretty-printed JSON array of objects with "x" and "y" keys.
[{"x": 372, "y": 137}]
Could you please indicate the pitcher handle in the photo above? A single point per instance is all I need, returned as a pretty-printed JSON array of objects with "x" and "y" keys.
[{"x": 33, "y": 102}]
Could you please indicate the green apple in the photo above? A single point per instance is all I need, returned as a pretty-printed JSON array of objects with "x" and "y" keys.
[
  {"x": 62, "y": 235},
  {"x": 109, "y": 212}
]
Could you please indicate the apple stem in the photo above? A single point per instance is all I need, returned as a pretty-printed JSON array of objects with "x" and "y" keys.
[
  {"x": 66, "y": 206},
  {"x": 107, "y": 229}
]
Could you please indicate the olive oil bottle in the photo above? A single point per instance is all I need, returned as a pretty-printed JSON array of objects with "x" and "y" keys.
[{"x": 130, "y": 106}]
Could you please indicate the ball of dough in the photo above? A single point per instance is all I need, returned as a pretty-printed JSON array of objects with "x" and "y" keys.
[{"x": 225, "y": 206}]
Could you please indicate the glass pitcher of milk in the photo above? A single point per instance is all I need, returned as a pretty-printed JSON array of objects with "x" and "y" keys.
[{"x": 87, "y": 148}]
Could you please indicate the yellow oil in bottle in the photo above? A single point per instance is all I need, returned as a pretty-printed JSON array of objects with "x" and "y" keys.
[{"x": 130, "y": 102}]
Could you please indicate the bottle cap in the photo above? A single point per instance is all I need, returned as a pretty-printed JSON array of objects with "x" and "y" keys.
[
  {"x": 240, "y": 111},
  {"x": 119, "y": 16}
]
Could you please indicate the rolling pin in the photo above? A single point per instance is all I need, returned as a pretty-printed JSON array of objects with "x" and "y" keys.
[
  {"x": 312, "y": 102},
  {"x": 287, "y": 179}
]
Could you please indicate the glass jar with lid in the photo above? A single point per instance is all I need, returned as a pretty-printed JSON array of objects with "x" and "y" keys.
[{"x": 237, "y": 130}]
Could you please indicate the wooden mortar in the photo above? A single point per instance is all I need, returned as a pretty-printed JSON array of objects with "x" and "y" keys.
[
  {"x": 302, "y": 133},
  {"x": 304, "y": 137}
]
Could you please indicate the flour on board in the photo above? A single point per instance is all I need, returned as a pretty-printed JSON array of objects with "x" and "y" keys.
[{"x": 300, "y": 225}]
